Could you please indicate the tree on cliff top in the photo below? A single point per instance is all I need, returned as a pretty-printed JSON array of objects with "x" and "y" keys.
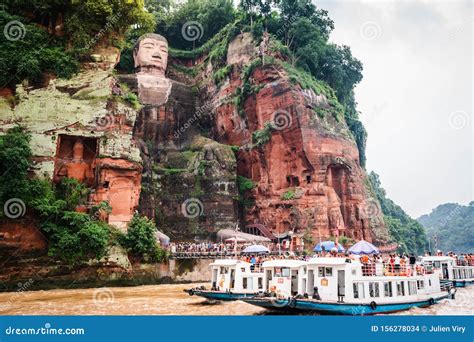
[
  {"x": 191, "y": 24},
  {"x": 54, "y": 36}
]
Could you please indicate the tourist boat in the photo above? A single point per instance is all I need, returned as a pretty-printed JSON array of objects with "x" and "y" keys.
[
  {"x": 282, "y": 279},
  {"x": 347, "y": 287},
  {"x": 459, "y": 275},
  {"x": 231, "y": 280}
]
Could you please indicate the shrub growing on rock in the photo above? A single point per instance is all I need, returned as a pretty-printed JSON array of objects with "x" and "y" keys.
[{"x": 140, "y": 240}]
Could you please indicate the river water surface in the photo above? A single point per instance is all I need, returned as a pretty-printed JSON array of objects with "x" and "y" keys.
[{"x": 166, "y": 300}]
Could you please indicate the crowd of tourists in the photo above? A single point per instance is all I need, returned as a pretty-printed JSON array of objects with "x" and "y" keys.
[
  {"x": 382, "y": 264},
  {"x": 211, "y": 249},
  {"x": 462, "y": 259}
]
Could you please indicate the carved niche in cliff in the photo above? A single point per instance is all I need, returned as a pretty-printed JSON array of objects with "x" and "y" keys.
[
  {"x": 116, "y": 181},
  {"x": 76, "y": 159},
  {"x": 119, "y": 183}
]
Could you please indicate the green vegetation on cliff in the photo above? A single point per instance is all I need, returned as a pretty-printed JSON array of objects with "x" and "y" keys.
[
  {"x": 140, "y": 240},
  {"x": 73, "y": 237},
  {"x": 34, "y": 54},
  {"x": 451, "y": 227},
  {"x": 209, "y": 16},
  {"x": 54, "y": 36},
  {"x": 407, "y": 232}
]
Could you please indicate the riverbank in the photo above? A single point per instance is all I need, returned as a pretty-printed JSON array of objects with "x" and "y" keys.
[{"x": 30, "y": 274}]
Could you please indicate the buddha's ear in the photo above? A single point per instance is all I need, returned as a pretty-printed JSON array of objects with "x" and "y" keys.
[{"x": 135, "y": 64}]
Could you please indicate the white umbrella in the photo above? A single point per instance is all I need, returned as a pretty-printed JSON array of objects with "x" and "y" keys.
[{"x": 256, "y": 249}]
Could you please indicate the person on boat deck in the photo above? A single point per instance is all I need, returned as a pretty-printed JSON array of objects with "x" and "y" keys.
[
  {"x": 392, "y": 263},
  {"x": 403, "y": 264},
  {"x": 397, "y": 264},
  {"x": 412, "y": 263},
  {"x": 462, "y": 260},
  {"x": 378, "y": 266},
  {"x": 365, "y": 265}
]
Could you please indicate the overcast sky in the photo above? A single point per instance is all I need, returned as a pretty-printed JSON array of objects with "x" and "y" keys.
[{"x": 416, "y": 95}]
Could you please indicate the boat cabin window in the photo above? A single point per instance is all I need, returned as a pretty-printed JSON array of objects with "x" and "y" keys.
[
  {"x": 358, "y": 289},
  {"x": 242, "y": 269},
  {"x": 400, "y": 288},
  {"x": 412, "y": 288},
  {"x": 437, "y": 264},
  {"x": 244, "y": 283},
  {"x": 374, "y": 290},
  {"x": 388, "y": 292},
  {"x": 282, "y": 271},
  {"x": 420, "y": 284},
  {"x": 324, "y": 272},
  {"x": 224, "y": 270},
  {"x": 260, "y": 283}
]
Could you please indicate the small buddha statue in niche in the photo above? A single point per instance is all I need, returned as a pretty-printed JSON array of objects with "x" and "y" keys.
[{"x": 77, "y": 168}]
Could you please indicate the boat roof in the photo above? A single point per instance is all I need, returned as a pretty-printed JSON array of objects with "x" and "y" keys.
[
  {"x": 283, "y": 263},
  {"x": 437, "y": 258},
  {"x": 227, "y": 262},
  {"x": 327, "y": 261}
]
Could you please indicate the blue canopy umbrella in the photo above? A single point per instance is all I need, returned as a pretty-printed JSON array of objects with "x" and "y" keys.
[
  {"x": 363, "y": 247},
  {"x": 256, "y": 249},
  {"x": 327, "y": 246}
]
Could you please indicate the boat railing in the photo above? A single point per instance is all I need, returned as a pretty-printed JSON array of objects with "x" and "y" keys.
[
  {"x": 209, "y": 255},
  {"x": 464, "y": 262},
  {"x": 390, "y": 269}
]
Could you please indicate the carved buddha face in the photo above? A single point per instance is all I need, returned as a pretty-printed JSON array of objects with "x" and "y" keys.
[
  {"x": 151, "y": 54},
  {"x": 78, "y": 151}
]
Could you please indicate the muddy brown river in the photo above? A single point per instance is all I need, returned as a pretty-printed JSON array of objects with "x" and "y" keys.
[{"x": 166, "y": 300}]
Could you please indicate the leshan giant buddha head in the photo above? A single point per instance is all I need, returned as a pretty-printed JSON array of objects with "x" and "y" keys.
[{"x": 150, "y": 54}]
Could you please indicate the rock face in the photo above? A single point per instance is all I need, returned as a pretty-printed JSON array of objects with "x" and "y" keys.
[
  {"x": 171, "y": 146},
  {"x": 81, "y": 130},
  {"x": 305, "y": 165},
  {"x": 188, "y": 181}
]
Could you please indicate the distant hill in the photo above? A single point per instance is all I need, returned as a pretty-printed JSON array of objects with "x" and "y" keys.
[{"x": 454, "y": 226}]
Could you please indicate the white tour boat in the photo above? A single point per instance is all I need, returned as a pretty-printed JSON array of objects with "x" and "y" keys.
[
  {"x": 347, "y": 287},
  {"x": 461, "y": 276},
  {"x": 231, "y": 280}
]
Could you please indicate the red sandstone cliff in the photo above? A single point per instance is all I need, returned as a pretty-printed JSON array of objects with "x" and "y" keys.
[{"x": 308, "y": 178}]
